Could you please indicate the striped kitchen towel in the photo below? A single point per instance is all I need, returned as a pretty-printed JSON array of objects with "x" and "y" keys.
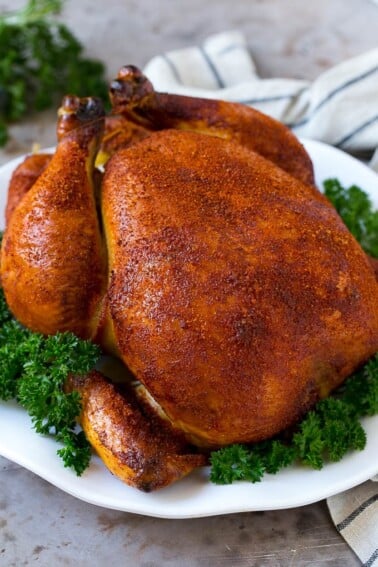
[
  {"x": 355, "y": 515},
  {"x": 340, "y": 108}
]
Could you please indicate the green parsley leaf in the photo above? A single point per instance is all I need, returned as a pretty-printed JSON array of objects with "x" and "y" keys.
[
  {"x": 361, "y": 391},
  {"x": 76, "y": 451},
  {"x": 235, "y": 462}
]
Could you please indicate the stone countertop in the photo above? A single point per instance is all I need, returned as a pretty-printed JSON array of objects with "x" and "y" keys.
[{"x": 41, "y": 525}]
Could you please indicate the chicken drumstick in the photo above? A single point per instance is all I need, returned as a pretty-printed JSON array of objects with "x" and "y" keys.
[{"x": 53, "y": 258}]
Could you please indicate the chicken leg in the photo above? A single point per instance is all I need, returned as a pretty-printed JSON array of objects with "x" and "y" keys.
[{"x": 53, "y": 260}]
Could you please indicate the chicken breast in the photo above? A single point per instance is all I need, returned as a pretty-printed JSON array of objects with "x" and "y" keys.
[{"x": 236, "y": 294}]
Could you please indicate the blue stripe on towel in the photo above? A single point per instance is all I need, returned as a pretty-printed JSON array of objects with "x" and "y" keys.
[
  {"x": 231, "y": 47},
  {"x": 370, "y": 562},
  {"x": 356, "y": 131},
  {"x": 172, "y": 67},
  {"x": 212, "y": 67},
  {"x": 334, "y": 93},
  {"x": 349, "y": 519},
  {"x": 269, "y": 98}
]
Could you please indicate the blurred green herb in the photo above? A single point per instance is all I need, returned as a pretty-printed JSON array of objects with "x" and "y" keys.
[{"x": 40, "y": 60}]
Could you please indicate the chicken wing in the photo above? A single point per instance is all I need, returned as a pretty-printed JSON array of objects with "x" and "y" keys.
[
  {"x": 137, "y": 446},
  {"x": 119, "y": 133}
]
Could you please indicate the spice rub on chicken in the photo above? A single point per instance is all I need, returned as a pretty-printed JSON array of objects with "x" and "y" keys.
[{"x": 207, "y": 261}]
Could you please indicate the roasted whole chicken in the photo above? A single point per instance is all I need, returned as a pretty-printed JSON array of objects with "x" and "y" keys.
[{"x": 204, "y": 258}]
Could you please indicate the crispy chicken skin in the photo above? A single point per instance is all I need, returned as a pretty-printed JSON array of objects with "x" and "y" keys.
[
  {"x": 210, "y": 264},
  {"x": 133, "y": 96},
  {"x": 138, "y": 447},
  {"x": 237, "y": 295}
]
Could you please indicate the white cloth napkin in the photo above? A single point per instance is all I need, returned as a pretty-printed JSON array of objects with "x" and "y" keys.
[{"x": 340, "y": 108}]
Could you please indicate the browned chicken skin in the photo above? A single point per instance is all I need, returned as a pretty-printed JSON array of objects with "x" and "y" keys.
[
  {"x": 237, "y": 295},
  {"x": 220, "y": 275}
]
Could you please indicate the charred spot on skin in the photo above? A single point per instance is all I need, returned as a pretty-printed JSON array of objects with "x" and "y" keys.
[
  {"x": 70, "y": 103},
  {"x": 245, "y": 330},
  {"x": 147, "y": 487},
  {"x": 80, "y": 120},
  {"x": 86, "y": 114}
]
